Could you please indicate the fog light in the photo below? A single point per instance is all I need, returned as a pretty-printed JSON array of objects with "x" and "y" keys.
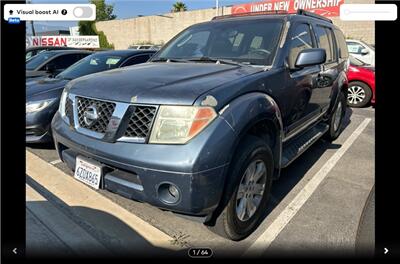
[
  {"x": 169, "y": 193},
  {"x": 173, "y": 191}
]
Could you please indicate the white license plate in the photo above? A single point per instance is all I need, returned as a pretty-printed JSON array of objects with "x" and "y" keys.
[{"x": 88, "y": 173}]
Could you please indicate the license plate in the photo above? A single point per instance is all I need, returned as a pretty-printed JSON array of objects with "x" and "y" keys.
[{"x": 88, "y": 173}]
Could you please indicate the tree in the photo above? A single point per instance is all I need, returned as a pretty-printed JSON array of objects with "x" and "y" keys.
[
  {"x": 179, "y": 7},
  {"x": 104, "y": 12}
]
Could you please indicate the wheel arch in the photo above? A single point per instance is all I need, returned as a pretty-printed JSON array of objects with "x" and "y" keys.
[{"x": 252, "y": 114}]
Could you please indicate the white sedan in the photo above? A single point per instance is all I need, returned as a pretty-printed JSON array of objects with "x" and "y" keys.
[{"x": 361, "y": 50}]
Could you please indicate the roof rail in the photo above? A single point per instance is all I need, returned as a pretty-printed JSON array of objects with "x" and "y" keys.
[
  {"x": 271, "y": 12},
  {"x": 311, "y": 14}
]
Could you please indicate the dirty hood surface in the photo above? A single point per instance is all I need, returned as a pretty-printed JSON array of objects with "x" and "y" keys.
[{"x": 159, "y": 82}]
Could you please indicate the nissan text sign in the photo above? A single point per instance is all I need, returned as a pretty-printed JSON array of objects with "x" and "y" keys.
[
  {"x": 64, "y": 41},
  {"x": 326, "y": 8}
]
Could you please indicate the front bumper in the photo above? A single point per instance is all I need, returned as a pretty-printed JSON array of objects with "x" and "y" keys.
[{"x": 197, "y": 168}]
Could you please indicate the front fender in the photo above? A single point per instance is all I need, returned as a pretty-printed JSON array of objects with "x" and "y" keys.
[
  {"x": 249, "y": 109},
  {"x": 241, "y": 114}
]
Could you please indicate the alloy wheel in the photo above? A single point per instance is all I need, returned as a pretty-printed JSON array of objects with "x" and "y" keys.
[
  {"x": 355, "y": 94},
  {"x": 251, "y": 190}
]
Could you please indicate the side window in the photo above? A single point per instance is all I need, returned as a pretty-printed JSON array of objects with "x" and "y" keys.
[
  {"x": 136, "y": 60},
  {"x": 354, "y": 47},
  {"x": 326, "y": 41},
  {"x": 300, "y": 39},
  {"x": 64, "y": 61},
  {"x": 341, "y": 43}
]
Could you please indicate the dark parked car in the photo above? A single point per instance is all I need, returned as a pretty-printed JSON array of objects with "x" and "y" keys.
[
  {"x": 206, "y": 125},
  {"x": 32, "y": 51},
  {"x": 43, "y": 95},
  {"x": 50, "y": 63}
]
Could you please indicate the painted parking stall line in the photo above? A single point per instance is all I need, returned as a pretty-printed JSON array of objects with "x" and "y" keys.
[
  {"x": 268, "y": 236},
  {"x": 55, "y": 162}
]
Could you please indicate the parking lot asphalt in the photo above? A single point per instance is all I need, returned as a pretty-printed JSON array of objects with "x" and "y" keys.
[{"x": 316, "y": 205}]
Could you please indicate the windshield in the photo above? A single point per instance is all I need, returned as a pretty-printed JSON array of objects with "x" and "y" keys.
[
  {"x": 38, "y": 59},
  {"x": 251, "y": 42},
  {"x": 355, "y": 61},
  {"x": 91, "y": 64}
]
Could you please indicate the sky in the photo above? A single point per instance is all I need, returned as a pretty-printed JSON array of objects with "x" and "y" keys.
[{"x": 132, "y": 8}]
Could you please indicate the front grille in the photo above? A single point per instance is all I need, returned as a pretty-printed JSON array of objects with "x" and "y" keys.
[
  {"x": 104, "y": 111},
  {"x": 140, "y": 122},
  {"x": 69, "y": 111}
]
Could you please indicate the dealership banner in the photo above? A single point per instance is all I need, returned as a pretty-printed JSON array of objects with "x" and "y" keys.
[
  {"x": 328, "y": 8},
  {"x": 64, "y": 41}
]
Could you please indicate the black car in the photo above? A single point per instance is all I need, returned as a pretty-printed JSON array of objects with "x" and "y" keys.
[
  {"x": 43, "y": 95},
  {"x": 50, "y": 63},
  {"x": 32, "y": 51},
  {"x": 208, "y": 123}
]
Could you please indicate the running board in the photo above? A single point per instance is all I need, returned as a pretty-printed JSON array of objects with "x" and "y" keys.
[{"x": 296, "y": 146}]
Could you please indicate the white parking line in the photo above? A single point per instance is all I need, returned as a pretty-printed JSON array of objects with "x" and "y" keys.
[
  {"x": 268, "y": 236},
  {"x": 54, "y": 162}
]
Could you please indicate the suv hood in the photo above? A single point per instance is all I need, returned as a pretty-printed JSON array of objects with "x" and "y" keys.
[{"x": 159, "y": 83}]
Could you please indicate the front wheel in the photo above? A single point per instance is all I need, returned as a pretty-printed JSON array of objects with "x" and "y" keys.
[
  {"x": 358, "y": 94},
  {"x": 252, "y": 168}
]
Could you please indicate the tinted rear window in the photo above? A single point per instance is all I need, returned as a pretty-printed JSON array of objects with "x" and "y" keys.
[
  {"x": 342, "y": 45},
  {"x": 36, "y": 61},
  {"x": 326, "y": 41}
]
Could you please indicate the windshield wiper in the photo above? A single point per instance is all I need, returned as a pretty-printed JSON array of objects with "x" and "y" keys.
[
  {"x": 62, "y": 77},
  {"x": 217, "y": 61},
  {"x": 168, "y": 60}
]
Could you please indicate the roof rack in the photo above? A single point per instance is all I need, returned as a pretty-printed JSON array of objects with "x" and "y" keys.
[
  {"x": 311, "y": 14},
  {"x": 275, "y": 12},
  {"x": 272, "y": 12}
]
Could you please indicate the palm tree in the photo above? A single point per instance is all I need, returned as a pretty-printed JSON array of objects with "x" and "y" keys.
[{"x": 179, "y": 7}]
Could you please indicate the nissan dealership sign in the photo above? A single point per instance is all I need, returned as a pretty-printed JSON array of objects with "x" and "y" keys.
[
  {"x": 328, "y": 8},
  {"x": 64, "y": 41}
]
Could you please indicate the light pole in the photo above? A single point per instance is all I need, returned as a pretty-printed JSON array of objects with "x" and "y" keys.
[{"x": 216, "y": 7}]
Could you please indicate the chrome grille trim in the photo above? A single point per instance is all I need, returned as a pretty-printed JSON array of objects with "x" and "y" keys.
[
  {"x": 105, "y": 112},
  {"x": 119, "y": 117}
]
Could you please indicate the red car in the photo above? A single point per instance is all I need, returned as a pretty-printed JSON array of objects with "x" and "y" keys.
[{"x": 361, "y": 89}]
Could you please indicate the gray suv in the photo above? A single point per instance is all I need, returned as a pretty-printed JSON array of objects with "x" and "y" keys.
[{"x": 208, "y": 123}]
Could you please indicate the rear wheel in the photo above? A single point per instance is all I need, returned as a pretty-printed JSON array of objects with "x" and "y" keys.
[
  {"x": 335, "y": 122},
  {"x": 358, "y": 94},
  {"x": 252, "y": 168}
]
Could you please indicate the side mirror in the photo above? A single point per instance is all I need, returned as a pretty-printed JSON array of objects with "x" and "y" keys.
[
  {"x": 364, "y": 52},
  {"x": 50, "y": 68},
  {"x": 310, "y": 57}
]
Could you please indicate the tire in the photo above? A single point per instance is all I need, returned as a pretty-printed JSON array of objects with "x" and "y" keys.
[
  {"x": 251, "y": 153},
  {"x": 359, "y": 94},
  {"x": 335, "y": 121}
]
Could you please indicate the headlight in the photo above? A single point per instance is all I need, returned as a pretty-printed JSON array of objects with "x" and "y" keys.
[
  {"x": 36, "y": 106},
  {"x": 179, "y": 124},
  {"x": 63, "y": 100}
]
